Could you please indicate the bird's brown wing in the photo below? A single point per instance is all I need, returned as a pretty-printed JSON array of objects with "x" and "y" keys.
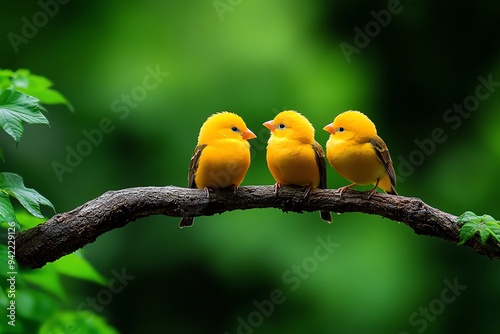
[
  {"x": 320, "y": 160},
  {"x": 385, "y": 157},
  {"x": 193, "y": 165}
]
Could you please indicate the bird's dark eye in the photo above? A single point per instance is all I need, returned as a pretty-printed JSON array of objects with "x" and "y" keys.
[
  {"x": 281, "y": 126},
  {"x": 235, "y": 129},
  {"x": 341, "y": 129}
]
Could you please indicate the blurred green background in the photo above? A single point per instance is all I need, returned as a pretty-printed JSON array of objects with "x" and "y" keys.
[{"x": 257, "y": 58}]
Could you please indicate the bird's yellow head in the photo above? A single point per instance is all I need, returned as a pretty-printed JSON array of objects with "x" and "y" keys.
[
  {"x": 291, "y": 125},
  {"x": 224, "y": 125},
  {"x": 351, "y": 124}
]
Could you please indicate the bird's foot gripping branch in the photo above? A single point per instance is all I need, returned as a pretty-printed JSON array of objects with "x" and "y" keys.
[{"x": 66, "y": 232}]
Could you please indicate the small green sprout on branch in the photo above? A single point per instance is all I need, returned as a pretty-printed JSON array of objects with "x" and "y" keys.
[{"x": 485, "y": 225}]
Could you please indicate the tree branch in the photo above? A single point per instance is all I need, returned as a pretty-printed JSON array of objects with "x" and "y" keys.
[{"x": 66, "y": 232}]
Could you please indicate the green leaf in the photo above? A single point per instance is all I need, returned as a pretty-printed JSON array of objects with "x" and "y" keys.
[
  {"x": 29, "y": 198},
  {"x": 23, "y": 79},
  {"x": 6, "y": 210},
  {"x": 467, "y": 217},
  {"x": 37, "y": 86},
  {"x": 484, "y": 234},
  {"x": 487, "y": 218},
  {"x": 5, "y": 79},
  {"x": 49, "y": 96},
  {"x": 466, "y": 232},
  {"x": 6, "y": 73},
  {"x": 494, "y": 228},
  {"x": 75, "y": 265},
  {"x": 485, "y": 225},
  {"x": 4, "y": 301},
  {"x": 47, "y": 279},
  {"x": 83, "y": 322},
  {"x": 16, "y": 108},
  {"x": 34, "y": 305}
]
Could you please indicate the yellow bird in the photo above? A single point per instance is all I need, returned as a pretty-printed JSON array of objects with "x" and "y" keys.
[
  {"x": 221, "y": 157},
  {"x": 358, "y": 154},
  {"x": 293, "y": 156}
]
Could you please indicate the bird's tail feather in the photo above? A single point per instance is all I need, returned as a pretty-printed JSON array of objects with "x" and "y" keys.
[
  {"x": 186, "y": 222},
  {"x": 326, "y": 216},
  {"x": 392, "y": 191}
]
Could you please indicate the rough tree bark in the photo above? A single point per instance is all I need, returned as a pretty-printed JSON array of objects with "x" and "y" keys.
[{"x": 66, "y": 232}]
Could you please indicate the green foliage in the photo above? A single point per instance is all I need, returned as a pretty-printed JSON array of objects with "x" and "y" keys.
[
  {"x": 16, "y": 108},
  {"x": 81, "y": 322},
  {"x": 20, "y": 95},
  {"x": 39, "y": 294},
  {"x": 76, "y": 266},
  {"x": 6, "y": 209},
  {"x": 485, "y": 225},
  {"x": 12, "y": 184},
  {"x": 34, "y": 85}
]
